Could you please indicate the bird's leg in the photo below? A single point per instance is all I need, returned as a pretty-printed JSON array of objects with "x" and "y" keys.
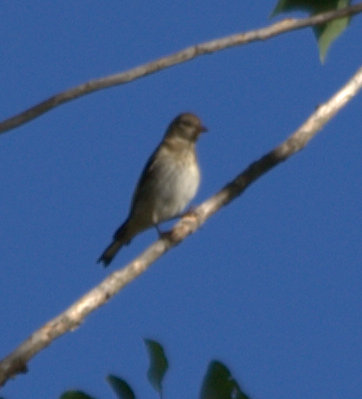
[
  {"x": 158, "y": 230},
  {"x": 163, "y": 234},
  {"x": 167, "y": 234}
]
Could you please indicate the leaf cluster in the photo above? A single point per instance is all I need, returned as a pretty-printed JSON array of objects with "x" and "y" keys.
[
  {"x": 217, "y": 383},
  {"x": 327, "y": 33}
]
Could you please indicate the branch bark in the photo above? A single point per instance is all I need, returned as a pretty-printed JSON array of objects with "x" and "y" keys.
[
  {"x": 71, "y": 318},
  {"x": 187, "y": 54}
]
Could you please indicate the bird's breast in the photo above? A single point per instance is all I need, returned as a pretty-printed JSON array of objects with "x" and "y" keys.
[
  {"x": 178, "y": 182},
  {"x": 167, "y": 186}
]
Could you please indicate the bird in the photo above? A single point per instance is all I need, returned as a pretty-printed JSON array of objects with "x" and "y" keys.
[{"x": 168, "y": 183}]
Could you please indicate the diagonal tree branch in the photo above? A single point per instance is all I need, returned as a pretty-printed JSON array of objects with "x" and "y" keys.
[
  {"x": 72, "y": 317},
  {"x": 182, "y": 56}
]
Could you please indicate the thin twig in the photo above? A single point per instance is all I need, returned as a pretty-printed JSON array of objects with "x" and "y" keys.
[
  {"x": 72, "y": 317},
  {"x": 187, "y": 54}
]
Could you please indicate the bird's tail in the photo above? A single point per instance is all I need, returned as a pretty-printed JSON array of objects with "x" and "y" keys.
[{"x": 121, "y": 237}]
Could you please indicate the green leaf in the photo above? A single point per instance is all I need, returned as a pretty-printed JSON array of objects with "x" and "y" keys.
[
  {"x": 75, "y": 395},
  {"x": 312, "y": 6},
  {"x": 120, "y": 387},
  {"x": 158, "y": 364},
  {"x": 219, "y": 383},
  {"x": 326, "y": 33}
]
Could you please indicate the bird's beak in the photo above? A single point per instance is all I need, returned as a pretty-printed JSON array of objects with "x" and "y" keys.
[{"x": 203, "y": 129}]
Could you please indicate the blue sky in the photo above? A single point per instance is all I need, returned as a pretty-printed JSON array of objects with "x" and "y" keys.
[{"x": 271, "y": 285}]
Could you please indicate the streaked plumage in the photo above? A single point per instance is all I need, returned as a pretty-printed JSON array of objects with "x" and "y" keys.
[{"x": 168, "y": 182}]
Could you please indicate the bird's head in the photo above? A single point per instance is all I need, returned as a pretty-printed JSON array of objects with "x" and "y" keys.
[{"x": 186, "y": 126}]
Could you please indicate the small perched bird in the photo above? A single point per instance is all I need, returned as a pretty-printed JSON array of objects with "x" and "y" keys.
[{"x": 168, "y": 182}]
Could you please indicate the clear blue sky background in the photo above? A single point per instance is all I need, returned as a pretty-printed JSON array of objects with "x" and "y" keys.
[{"x": 271, "y": 285}]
